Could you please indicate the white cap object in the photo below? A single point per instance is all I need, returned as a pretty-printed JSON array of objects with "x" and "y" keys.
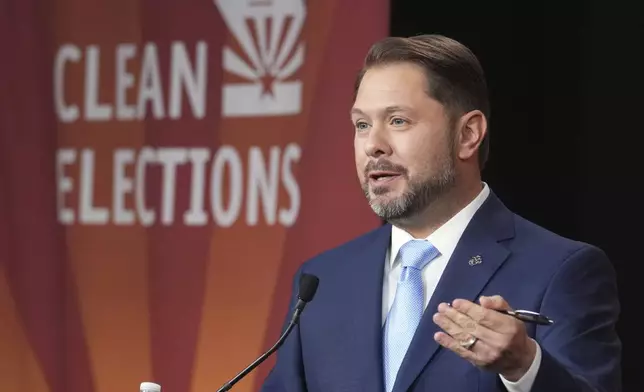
[{"x": 150, "y": 387}]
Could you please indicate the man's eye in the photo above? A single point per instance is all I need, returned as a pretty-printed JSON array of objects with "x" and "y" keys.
[
  {"x": 398, "y": 122},
  {"x": 361, "y": 125}
]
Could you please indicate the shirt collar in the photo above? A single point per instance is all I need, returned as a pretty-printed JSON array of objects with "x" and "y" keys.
[{"x": 446, "y": 237}]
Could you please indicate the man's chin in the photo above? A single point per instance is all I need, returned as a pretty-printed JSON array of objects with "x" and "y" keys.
[
  {"x": 389, "y": 214},
  {"x": 388, "y": 207}
]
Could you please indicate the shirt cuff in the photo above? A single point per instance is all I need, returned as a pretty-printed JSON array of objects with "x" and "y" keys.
[{"x": 524, "y": 384}]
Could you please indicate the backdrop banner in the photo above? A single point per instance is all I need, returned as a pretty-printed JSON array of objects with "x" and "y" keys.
[{"x": 165, "y": 167}]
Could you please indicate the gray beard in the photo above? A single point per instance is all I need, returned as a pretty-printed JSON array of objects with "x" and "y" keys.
[{"x": 420, "y": 195}]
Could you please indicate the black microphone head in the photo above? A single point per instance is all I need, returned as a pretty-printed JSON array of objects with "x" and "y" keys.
[{"x": 308, "y": 287}]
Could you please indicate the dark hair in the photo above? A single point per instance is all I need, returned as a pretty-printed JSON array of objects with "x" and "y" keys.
[{"x": 455, "y": 76}]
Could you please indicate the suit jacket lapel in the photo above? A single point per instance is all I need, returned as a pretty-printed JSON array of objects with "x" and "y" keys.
[
  {"x": 461, "y": 279},
  {"x": 362, "y": 305}
]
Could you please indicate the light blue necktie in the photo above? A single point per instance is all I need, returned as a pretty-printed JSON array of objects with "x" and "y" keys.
[{"x": 408, "y": 306}]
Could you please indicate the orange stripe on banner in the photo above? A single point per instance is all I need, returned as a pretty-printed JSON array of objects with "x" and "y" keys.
[
  {"x": 19, "y": 367},
  {"x": 109, "y": 262},
  {"x": 245, "y": 260}
]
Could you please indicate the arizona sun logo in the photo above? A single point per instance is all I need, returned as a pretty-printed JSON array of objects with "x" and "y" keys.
[{"x": 268, "y": 34}]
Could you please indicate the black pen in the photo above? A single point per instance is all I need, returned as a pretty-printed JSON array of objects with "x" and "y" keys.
[
  {"x": 528, "y": 316},
  {"x": 525, "y": 316}
]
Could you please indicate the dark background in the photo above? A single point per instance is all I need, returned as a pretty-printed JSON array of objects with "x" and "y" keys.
[{"x": 566, "y": 89}]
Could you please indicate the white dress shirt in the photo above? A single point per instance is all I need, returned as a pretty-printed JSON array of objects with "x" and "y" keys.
[{"x": 445, "y": 239}]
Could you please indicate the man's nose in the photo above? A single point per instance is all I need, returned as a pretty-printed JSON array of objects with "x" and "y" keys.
[{"x": 377, "y": 143}]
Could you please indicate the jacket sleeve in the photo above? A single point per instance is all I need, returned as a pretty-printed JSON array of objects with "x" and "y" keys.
[
  {"x": 288, "y": 373},
  {"x": 581, "y": 352}
]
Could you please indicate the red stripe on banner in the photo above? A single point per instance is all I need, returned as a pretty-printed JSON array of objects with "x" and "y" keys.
[
  {"x": 9, "y": 51},
  {"x": 318, "y": 228},
  {"x": 179, "y": 254},
  {"x": 106, "y": 255},
  {"x": 36, "y": 267}
]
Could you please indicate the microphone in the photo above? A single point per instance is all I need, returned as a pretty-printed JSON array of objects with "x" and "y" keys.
[{"x": 308, "y": 287}]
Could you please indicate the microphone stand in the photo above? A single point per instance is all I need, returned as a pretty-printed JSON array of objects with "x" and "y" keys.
[{"x": 294, "y": 321}]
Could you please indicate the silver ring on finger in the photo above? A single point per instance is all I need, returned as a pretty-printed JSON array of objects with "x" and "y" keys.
[{"x": 468, "y": 343}]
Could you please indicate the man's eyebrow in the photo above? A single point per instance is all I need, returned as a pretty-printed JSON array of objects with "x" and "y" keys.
[
  {"x": 356, "y": 111},
  {"x": 393, "y": 109},
  {"x": 387, "y": 110}
]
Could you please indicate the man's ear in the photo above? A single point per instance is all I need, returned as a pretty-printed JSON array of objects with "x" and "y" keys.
[{"x": 472, "y": 128}]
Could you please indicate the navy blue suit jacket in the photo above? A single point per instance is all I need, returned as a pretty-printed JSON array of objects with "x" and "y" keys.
[{"x": 338, "y": 343}]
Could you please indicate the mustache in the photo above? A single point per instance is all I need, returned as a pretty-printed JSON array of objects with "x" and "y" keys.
[{"x": 384, "y": 165}]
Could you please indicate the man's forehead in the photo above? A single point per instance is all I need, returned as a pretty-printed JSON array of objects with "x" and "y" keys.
[
  {"x": 396, "y": 85},
  {"x": 386, "y": 101},
  {"x": 394, "y": 77}
]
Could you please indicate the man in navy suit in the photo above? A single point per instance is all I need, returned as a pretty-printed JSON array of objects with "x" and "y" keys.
[{"x": 414, "y": 305}]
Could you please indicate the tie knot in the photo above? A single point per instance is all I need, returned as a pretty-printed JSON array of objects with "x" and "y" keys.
[{"x": 417, "y": 253}]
